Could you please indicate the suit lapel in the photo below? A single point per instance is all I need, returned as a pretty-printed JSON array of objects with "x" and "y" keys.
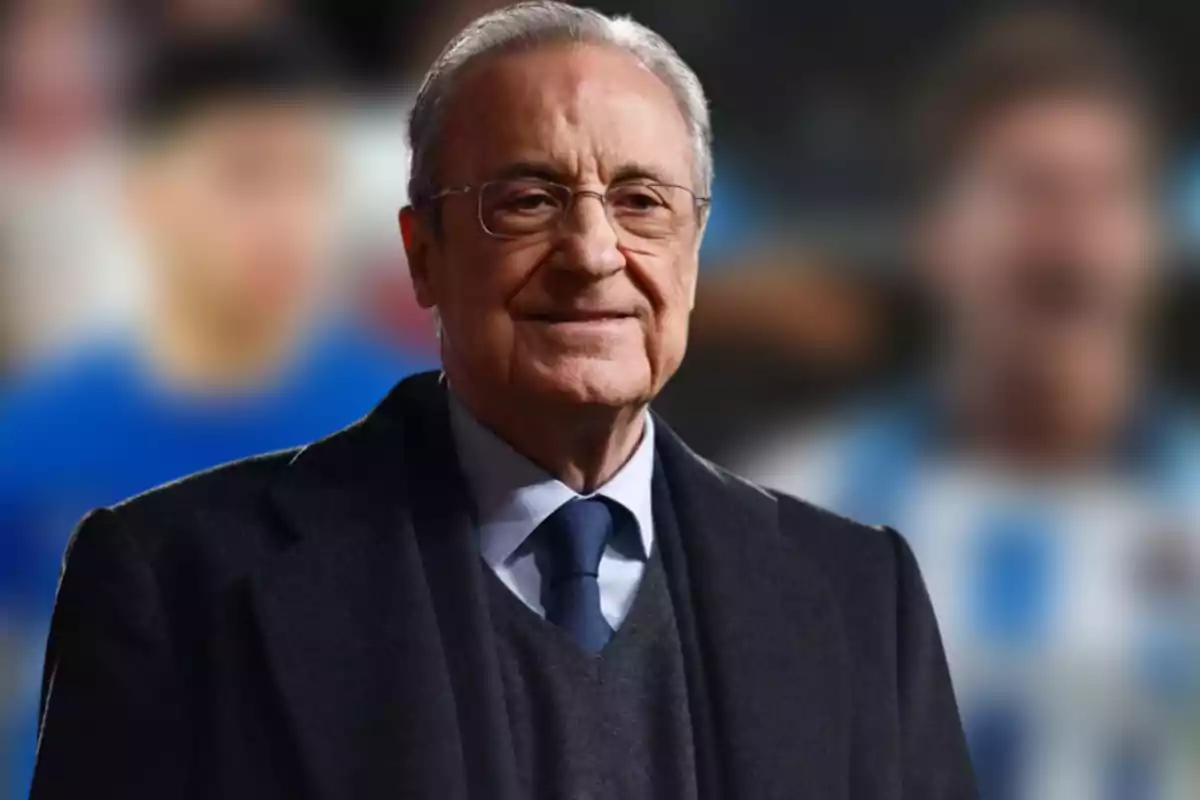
[
  {"x": 767, "y": 641},
  {"x": 445, "y": 538},
  {"x": 359, "y": 631}
]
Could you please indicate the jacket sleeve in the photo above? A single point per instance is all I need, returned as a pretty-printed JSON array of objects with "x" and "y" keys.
[
  {"x": 936, "y": 765},
  {"x": 112, "y": 713}
]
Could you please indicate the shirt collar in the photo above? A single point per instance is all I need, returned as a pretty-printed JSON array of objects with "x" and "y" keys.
[{"x": 512, "y": 495}]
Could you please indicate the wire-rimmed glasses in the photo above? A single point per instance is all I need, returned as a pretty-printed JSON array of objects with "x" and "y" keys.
[{"x": 517, "y": 208}]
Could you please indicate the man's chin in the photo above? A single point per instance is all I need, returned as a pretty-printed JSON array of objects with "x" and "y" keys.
[{"x": 586, "y": 380}]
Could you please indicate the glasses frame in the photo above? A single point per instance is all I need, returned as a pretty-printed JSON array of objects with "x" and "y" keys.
[{"x": 699, "y": 203}]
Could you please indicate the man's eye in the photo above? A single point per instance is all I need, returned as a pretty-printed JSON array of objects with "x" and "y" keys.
[
  {"x": 636, "y": 198},
  {"x": 529, "y": 201}
]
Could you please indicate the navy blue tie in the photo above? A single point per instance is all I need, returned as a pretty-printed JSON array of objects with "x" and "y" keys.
[{"x": 571, "y": 541}]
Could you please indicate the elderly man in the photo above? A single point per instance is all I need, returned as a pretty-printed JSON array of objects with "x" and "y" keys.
[{"x": 512, "y": 581}]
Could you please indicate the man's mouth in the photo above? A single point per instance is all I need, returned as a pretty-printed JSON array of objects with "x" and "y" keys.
[{"x": 577, "y": 316}]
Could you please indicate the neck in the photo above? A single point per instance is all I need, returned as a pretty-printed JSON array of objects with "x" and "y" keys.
[
  {"x": 203, "y": 352},
  {"x": 583, "y": 446},
  {"x": 1036, "y": 416}
]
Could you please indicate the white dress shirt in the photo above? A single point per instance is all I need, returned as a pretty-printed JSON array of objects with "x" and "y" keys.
[{"x": 513, "y": 496}]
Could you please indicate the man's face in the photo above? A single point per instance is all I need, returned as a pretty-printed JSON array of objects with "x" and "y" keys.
[
  {"x": 1045, "y": 243},
  {"x": 584, "y": 313},
  {"x": 236, "y": 206}
]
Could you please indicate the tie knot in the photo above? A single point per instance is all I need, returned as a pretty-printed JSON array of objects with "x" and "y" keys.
[{"x": 575, "y": 537}]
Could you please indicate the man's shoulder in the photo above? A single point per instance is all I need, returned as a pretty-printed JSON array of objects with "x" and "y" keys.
[
  {"x": 212, "y": 507},
  {"x": 230, "y": 510},
  {"x": 218, "y": 486},
  {"x": 860, "y": 565},
  {"x": 818, "y": 531},
  {"x": 835, "y": 540},
  {"x": 191, "y": 539}
]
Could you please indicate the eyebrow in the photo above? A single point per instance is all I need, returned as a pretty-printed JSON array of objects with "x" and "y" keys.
[
  {"x": 639, "y": 172},
  {"x": 547, "y": 172}
]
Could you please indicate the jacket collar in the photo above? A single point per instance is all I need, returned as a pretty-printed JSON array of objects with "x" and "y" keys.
[{"x": 768, "y": 645}]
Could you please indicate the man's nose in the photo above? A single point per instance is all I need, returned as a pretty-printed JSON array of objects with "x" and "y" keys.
[{"x": 589, "y": 239}]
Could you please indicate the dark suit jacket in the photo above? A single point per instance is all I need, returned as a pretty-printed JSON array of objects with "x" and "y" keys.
[{"x": 313, "y": 624}]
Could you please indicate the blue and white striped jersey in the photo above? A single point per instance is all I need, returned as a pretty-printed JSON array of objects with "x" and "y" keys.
[{"x": 1069, "y": 603}]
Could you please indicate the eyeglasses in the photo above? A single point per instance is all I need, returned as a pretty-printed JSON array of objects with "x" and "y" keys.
[{"x": 523, "y": 207}]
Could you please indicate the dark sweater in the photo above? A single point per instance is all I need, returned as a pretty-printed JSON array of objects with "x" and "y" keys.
[{"x": 613, "y": 726}]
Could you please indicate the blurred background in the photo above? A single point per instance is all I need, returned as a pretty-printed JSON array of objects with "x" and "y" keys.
[{"x": 950, "y": 283}]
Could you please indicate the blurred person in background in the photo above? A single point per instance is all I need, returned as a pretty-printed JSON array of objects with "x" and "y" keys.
[
  {"x": 230, "y": 182},
  {"x": 1051, "y": 489},
  {"x": 67, "y": 265}
]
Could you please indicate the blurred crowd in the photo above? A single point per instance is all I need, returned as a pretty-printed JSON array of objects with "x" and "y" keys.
[{"x": 945, "y": 287}]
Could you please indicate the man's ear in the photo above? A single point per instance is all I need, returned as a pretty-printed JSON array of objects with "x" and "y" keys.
[{"x": 417, "y": 243}]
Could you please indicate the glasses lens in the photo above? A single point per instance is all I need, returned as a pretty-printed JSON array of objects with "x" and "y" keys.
[
  {"x": 650, "y": 211},
  {"x": 521, "y": 207}
]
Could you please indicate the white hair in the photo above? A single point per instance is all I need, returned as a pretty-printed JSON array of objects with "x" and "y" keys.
[{"x": 530, "y": 24}]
